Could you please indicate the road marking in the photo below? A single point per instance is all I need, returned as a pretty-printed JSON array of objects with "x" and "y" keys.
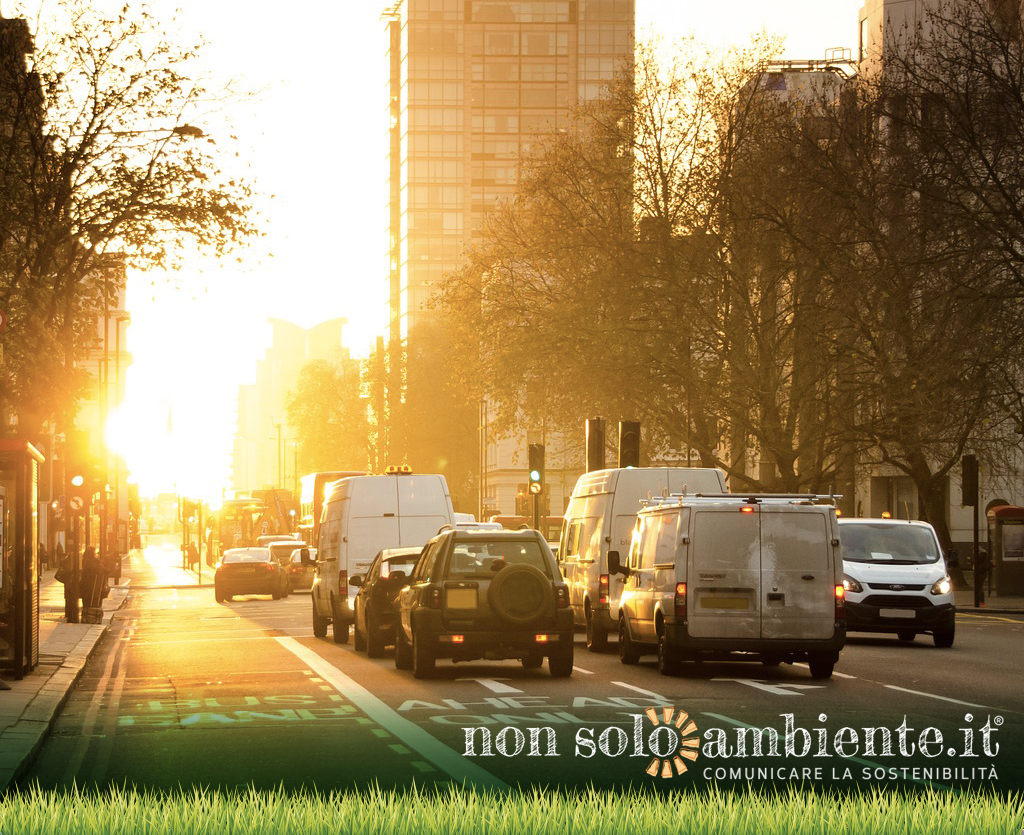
[
  {"x": 581, "y": 670},
  {"x": 494, "y": 685},
  {"x": 948, "y": 699},
  {"x": 410, "y": 733},
  {"x": 775, "y": 689},
  {"x": 860, "y": 760},
  {"x": 650, "y": 693}
]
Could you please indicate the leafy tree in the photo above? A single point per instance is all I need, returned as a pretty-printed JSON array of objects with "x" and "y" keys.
[
  {"x": 101, "y": 167},
  {"x": 328, "y": 416}
]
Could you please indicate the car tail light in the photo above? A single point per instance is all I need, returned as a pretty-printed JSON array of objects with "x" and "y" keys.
[
  {"x": 434, "y": 598},
  {"x": 602, "y": 589},
  {"x": 458, "y": 639},
  {"x": 342, "y": 584},
  {"x": 840, "y": 602},
  {"x": 269, "y": 566},
  {"x": 562, "y": 597},
  {"x": 680, "y": 602}
]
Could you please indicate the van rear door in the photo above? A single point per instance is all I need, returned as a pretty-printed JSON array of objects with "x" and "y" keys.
[
  {"x": 798, "y": 575},
  {"x": 723, "y": 578}
]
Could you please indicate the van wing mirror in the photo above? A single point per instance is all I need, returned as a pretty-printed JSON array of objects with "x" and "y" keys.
[
  {"x": 305, "y": 558},
  {"x": 615, "y": 566}
]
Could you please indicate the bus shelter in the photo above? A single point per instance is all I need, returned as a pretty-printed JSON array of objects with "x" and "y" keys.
[
  {"x": 1006, "y": 540},
  {"x": 19, "y": 566}
]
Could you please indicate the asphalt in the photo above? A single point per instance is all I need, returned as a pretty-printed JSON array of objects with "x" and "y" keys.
[{"x": 29, "y": 709}]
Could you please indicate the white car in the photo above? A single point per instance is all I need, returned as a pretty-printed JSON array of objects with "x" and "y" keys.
[{"x": 896, "y": 580}]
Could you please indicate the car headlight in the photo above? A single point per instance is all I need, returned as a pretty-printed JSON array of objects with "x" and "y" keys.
[
  {"x": 943, "y": 586},
  {"x": 851, "y": 585}
]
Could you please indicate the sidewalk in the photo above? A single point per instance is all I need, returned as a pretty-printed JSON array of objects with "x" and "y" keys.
[{"x": 30, "y": 708}]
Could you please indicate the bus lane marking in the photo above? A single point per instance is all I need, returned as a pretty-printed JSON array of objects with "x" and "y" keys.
[
  {"x": 494, "y": 684},
  {"x": 415, "y": 737},
  {"x": 775, "y": 689}
]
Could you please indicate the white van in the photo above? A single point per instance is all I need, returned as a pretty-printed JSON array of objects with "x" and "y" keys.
[
  {"x": 896, "y": 579},
  {"x": 362, "y": 516},
  {"x": 600, "y": 516},
  {"x": 735, "y": 577}
]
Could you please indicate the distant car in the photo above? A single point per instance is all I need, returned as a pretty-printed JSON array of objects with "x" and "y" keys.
[
  {"x": 249, "y": 571},
  {"x": 301, "y": 574},
  {"x": 375, "y": 604},
  {"x": 485, "y": 594},
  {"x": 896, "y": 581}
]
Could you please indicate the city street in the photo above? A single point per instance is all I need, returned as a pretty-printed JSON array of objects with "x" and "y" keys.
[{"x": 185, "y": 691}]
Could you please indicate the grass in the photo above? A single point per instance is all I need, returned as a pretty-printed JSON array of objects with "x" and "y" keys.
[{"x": 456, "y": 812}]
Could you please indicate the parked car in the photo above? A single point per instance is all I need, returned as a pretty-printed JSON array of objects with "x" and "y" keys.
[
  {"x": 249, "y": 571},
  {"x": 301, "y": 574},
  {"x": 485, "y": 594},
  {"x": 896, "y": 580},
  {"x": 375, "y": 605},
  {"x": 733, "y": 577}
]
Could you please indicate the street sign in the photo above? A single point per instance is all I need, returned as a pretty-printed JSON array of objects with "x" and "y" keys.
[{"x": 76, "y": 503}]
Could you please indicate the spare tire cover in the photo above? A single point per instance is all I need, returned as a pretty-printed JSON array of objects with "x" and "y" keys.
[{"x": 520, "y": 594}]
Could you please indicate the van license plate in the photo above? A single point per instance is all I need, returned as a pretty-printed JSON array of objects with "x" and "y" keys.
[
  {"x": 897, "y": 613},
  {"x": 460, "y": 598},
  {"x": 724, "y": 603}
]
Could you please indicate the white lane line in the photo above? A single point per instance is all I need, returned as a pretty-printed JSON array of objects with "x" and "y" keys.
[
  {"x": 461, "y": 769},
  {"x": 581, "y": 670},
  {"x": 494, "y": 684},
  {"x": 945, "y": 698},
  {"x": 650, "y": 693},
  {"x": 868, "y": 763}
]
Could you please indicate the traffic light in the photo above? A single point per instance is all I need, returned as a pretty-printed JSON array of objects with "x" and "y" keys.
[
  {"x": 536, "y": 457},
  {"x": 629, "y": 443}
]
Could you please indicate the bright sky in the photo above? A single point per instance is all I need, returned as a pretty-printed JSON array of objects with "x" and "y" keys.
[{"x": 315, "y": 139}]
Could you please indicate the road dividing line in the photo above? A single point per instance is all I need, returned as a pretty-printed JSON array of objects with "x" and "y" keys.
[
  {"x": 576, "y": 669},
  {"x": 650, "y": 693},
  {"x": 460, "y": 769},
  {"x": 494, "y": 684},
  {"x": 868, "y": 763},
  {"x": 948, "y": 699}
]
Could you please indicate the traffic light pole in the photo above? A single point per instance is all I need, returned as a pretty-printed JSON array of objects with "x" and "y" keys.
[{"x": 536, "y": 511}]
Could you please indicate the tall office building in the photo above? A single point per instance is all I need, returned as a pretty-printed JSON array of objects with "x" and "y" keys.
[{"x": 473, "y": 83}]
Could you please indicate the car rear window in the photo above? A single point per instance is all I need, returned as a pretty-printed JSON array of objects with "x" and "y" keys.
[
  {"x": 389, "y": 567},
  {"x": 246, "y": 556},
  {"x": 483, "y": 558}
]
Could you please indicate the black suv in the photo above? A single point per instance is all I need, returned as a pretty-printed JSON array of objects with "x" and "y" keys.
[{"x": 485, "y": 594}]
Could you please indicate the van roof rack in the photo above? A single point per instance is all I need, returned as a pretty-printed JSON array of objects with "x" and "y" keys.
[{"x": 746, "y": 498}]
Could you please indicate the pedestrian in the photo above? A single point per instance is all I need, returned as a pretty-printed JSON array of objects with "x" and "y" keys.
[
  {"x": 44, "y": 558},
  {"x": 93, "y": 580},
  {"x": 982, "y": 566},
  {"x": 193, "y": 555}
]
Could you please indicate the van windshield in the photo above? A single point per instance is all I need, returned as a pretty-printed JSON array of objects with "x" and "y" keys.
[{"x": 891, "y": 544}]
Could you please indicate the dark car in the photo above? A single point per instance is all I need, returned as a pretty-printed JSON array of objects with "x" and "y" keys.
[
  {"x": 485, "y": 594},
  {"x": 249, "y": 571},
  {"x": 376, "y": 601},
  {"x": 301, "y": 574}
]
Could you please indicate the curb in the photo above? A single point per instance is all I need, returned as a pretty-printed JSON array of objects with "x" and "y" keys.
[{"x": 28, "y": 735}]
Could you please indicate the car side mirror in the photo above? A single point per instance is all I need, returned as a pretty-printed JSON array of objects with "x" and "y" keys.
[
  {"x": 305, "y": 558},
  {"x": 615, "y": 566},
  {"x": 356, "y": 580}
]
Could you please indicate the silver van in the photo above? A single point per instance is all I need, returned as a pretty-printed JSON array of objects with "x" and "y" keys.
[
  {"x": 733, "y": 577},
  {"x": 600, "y": 517}
]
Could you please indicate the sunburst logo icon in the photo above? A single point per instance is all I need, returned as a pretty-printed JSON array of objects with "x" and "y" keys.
[{"x": 674, "y": 741}]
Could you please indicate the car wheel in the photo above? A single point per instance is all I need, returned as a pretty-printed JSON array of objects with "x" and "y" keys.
[
  {"x": 276, "y": 593},
  {"x": 403, "y": 652},
  {"x": 218, "y": 594},
  {"x": 533, "y": 661},
  {"x": 339, "y": 627},
  {"x": 906, "y": 634},
  {"x": 560, "y": 661},
  {"x": 668, "y": 664},
  {"x": 358, "y": 637},
  {"x": 628, "y": 653},
  {"x": 319, "y": 623},
  {"x": 374, "y": 637},
  {"x": 944, "y": 638},
  {"x": 423, "y": 659},
  {"x": 597, "y": 639},
  {"x": 821, "y": 664}
]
